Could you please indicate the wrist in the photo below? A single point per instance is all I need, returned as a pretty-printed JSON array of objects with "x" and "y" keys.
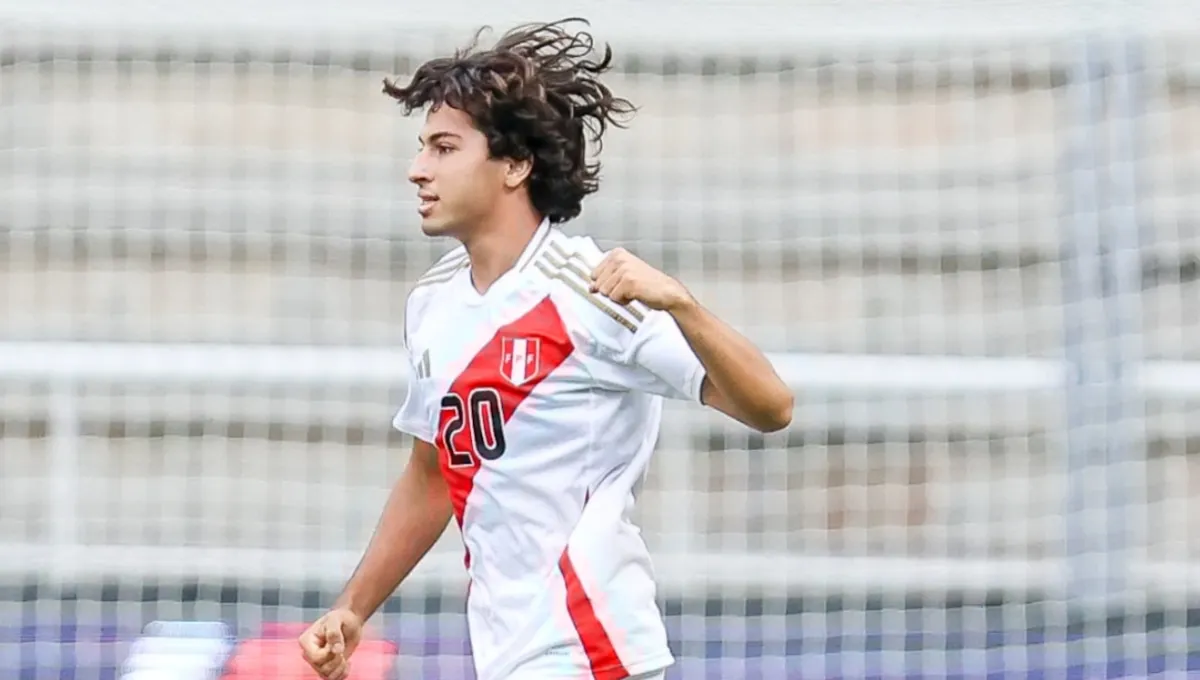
[
  {"x": 347, "y": 603},
  {"x": 683, "y": 304}
]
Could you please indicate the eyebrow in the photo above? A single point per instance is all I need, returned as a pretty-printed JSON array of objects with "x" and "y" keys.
[{"x": 436, "y": 136}]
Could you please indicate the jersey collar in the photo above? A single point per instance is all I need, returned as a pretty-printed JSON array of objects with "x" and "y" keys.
[{"x": 540, "y": 236}]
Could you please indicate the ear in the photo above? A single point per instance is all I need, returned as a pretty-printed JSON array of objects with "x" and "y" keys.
[{"x": 516, "y": 172}]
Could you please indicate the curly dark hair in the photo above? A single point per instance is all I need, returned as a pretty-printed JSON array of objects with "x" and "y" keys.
[{"x": 536, "y": 96}]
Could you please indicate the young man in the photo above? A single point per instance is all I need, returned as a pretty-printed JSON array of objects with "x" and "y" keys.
[{"x": 539, "y": 367}]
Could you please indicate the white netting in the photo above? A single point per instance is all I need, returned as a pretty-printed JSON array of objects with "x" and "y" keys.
[{"x": 206, "y": 240}]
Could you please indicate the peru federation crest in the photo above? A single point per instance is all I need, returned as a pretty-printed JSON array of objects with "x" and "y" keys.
[{"x": 520, "y": 359}]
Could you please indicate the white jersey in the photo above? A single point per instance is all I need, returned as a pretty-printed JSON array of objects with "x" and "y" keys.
[{"x": 544, "y": 402}]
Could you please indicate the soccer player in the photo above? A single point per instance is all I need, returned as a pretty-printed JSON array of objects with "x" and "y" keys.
[{"x": 539, "y": 368}]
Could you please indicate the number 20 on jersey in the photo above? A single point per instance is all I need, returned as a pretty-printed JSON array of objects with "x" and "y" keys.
[{"x": 472, "y": 428}]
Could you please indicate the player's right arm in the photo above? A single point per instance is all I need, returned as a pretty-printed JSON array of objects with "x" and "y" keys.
[{"x": 415, "y": 516}]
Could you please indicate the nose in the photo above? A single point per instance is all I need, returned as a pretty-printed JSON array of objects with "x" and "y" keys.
[{"x": 418, "y": 171}]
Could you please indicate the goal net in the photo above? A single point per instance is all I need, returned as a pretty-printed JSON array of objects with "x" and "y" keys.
[{"x": 966, "y": 233}]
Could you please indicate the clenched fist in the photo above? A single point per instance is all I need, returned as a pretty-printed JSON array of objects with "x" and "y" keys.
[
  {"x": 329, "y": 642},
  {"x": 623, "y": 277}
]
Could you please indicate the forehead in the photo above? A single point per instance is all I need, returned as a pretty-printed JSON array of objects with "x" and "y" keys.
[{"x": 447, "y": 119}]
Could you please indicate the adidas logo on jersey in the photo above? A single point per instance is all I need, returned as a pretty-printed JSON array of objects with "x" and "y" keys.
[{"x": 423, "y": 367}]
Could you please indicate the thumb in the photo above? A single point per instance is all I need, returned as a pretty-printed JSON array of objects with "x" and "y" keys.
[{"x": 334, "y": 637}]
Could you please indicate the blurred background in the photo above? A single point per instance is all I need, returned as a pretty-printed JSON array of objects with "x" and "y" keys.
[{"x": 967, "y": 232}]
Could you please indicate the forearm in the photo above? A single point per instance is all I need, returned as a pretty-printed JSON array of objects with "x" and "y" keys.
[
  {"x": 747, "y": 386},
  {"x": 415, "y": 516}
]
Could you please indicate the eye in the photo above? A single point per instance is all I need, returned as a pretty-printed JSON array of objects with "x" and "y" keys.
[{"x": 443, "y": 149}]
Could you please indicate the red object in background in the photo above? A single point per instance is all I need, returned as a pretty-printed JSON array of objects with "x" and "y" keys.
[{"x": 276, "y": 656}]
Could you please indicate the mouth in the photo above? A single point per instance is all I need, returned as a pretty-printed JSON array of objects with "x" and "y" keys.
[{"x": 427, "y": 202}]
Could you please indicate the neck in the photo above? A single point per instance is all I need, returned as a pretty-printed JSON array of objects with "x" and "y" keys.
[{"x": 495, "y": 246}]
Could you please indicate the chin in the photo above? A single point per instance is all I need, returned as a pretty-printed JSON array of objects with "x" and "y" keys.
[{"x": 435, "y": 227}]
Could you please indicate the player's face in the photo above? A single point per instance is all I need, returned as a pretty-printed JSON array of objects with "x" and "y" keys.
[{"x": 457, "y": 182}]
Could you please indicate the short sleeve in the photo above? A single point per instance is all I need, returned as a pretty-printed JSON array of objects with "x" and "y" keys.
[
  {"x": 416, "y": 414},
  {"x": 654, "y": 358}
]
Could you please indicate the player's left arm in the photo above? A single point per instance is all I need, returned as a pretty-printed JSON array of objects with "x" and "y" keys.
[{"x": 739, "y": 380}]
